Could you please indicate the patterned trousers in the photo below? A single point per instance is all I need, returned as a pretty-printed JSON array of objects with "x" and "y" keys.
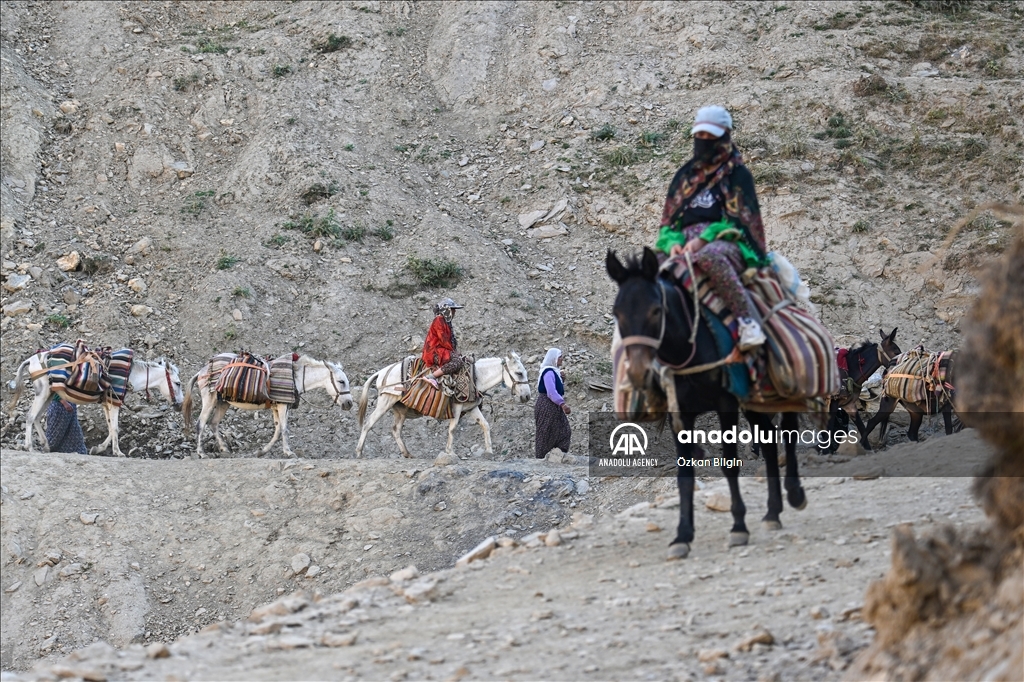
[
  {"x": 454, "y": 364},
  {"x": 63, "y": 432},
  {"x": 721, "y": 261}
]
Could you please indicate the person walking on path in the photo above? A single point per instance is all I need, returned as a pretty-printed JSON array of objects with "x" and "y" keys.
[
  {"x": 550, "y": 410},
  {"x": 63, "y": 432}
]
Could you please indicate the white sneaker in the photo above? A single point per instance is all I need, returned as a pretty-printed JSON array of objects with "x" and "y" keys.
[{"x": 751, "y": 335}]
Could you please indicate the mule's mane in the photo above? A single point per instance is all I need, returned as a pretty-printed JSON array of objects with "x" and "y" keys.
[{"x": 863, "y": 345}]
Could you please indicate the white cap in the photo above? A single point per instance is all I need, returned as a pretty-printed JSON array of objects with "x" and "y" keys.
[{"x": 713, "y": 119}]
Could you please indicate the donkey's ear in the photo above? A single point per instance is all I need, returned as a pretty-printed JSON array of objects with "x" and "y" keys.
[
  {"x": 616, "y": 270},
  {"x": 649, "y": 264},
  {"x": 881, "y": 334},
  {"x": 892, "y": 337}
]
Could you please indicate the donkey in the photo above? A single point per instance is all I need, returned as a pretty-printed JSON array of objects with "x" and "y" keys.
[
  {"x": 158, "y": 375},
  {"x": 308, "y": 374},
  {"x": 934, "y": 403},
  {"x": 656, "y": 324},
  {"x": 862, "y": 361},
  {"x": 489, "y": 372}
]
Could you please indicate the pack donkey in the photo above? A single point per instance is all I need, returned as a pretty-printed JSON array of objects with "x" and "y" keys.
[
  {"x": 144, "y": 376},
  {"x": 489, "y": 372},
  {"x": 307, "y": 374},
  {"x": 860, "y": 363},
  {"x": 923, "y": 383},
  {"x": 656, "y": 324}
]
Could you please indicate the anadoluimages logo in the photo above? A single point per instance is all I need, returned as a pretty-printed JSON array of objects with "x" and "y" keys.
[{"x": 627, "y": 443}]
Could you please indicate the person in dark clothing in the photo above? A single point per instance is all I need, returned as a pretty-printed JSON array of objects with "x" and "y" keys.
[
  {"x": 63, "y": 432},
  {"x": 550, "y": 410},
  {"x": 711, "y": 212}
]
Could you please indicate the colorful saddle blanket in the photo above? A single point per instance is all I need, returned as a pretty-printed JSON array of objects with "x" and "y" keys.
[
  {"x": 89, "y": 375},
  {"x": 244, "y": 380},
  {"x": 419, "y": 395},
  {"x": 919, "y": 375},
  {"x": 281, "y": 381}
]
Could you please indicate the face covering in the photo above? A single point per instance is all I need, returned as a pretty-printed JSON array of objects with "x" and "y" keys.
[{"x": 705, "y": 150}]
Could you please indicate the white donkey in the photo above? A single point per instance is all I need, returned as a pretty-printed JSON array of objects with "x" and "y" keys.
[
  {"x": 308, "y": 374},
  {"x": 158, "y": 375},
  {"x": 490, "y": 372}
]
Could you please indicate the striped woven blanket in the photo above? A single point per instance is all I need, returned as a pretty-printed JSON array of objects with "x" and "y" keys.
[
  {"x": 244, "y": 380},
  {"x": 419, "y": 395},
  {"x": 282, "y": 380},
  {"x": 89, "y": 375},
  {"x": 918, "y": 375}
]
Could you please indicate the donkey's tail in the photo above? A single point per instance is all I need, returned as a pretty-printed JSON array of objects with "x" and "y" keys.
[
  {"x": 186, "y": 405},
  {"x": 364, "y": 397},
  {"x": 17, "y": 384}
]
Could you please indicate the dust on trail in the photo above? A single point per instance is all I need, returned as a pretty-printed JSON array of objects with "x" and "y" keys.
[{"x": 602, "y": 604}]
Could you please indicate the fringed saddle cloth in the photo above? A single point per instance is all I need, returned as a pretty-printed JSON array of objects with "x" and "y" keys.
[
  {"x": 419, "y": 395},
  {"x": 88, "y": 375},
  {"x": 918, "y": 376}
]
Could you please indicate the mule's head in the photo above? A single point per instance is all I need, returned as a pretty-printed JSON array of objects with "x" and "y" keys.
[
  {"x": 170, "y": 382},
  {"x": 339, "y": 379},
  {"x": 520, "y": 380},
  {"x": 639, "y": 312},
  {"x": 888, "y": 349}
]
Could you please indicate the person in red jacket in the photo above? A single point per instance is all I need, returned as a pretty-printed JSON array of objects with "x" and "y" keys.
[{"x": 440, "y": 350}]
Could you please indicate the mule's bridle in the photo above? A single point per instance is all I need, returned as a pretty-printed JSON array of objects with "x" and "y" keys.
[
  {"x": 167, "y": 375},
  {"x": 334, "y": 385},
  {"x": 883, "y": 358},
  {"x": 643, "y": 339},
  {"x": 512, "y": 382}
]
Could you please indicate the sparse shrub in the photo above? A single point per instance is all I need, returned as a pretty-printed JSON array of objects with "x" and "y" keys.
[
  {"x": 276, "y": 241},
  {"x": 432, "y": 272},
  {"x": 870, "y": 85},
  {"x": 291, "y": 120},
  {"x": 622, "y": 156},
  {"x": 950, "y": 7},
  {"x": 62, "y": 125},
  {"x": 353, "y": 233},
  {"x": 401, "y": 148},
  {"x": 793, "y": 148},
  {"x": 226, "y": 261},
  {"x": 349, "y": 147},
  {"x": 860, "y": 226},
  {"x": 769, "y": 175},
  {"x": 308, "y": 224},
  {"x": 185, "y": 82},
  {"x": 604, "y": 133},
  {"x": 385, "y": 232},
  {"x": 196, "y": 202},
  {"x": 241, "y": 292},
  {"x": 231, "y": 333},
  {"x": 651, "y": 139},
  {"x": 59, "y": 320},
  {"x": 281, "y": 70},
  {"x": 207, "y": 46},
  {"x": 332, "y": 43},
  {"x": 843, "y": 143},
  {"x": 318, "y": 192}
]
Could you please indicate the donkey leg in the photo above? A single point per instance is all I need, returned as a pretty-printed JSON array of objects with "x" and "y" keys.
[
  {"x": 771, "y": 519},
  {"x": 916, "y": 417},
  {"x": 204, "y": 417},
  {"x": 478, "y": 417},
  {"x": 113, "y": 427},
  {"x": 102, "y": 447},
  {"x": 219, "y": 411},
  {"x": 794, "y": 491},
  {"x": 947, "y": 418},
  {"x": 885, "y": 408},
  {"x": 452, "y": 424},
  {"x": 384, "y": 403},
  {"x": 396, "y": 431},
  {"x": 33, "y": 420},
  {"x": 680, "y": 546},
  {"x": 284, "y": 432},
  {"x": 277, "y": 432}
]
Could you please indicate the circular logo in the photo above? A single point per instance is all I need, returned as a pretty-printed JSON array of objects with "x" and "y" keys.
[{"x": 628, "y": 442}]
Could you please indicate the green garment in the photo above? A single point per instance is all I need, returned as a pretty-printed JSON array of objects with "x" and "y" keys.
[{"x": 723, "y": 229}]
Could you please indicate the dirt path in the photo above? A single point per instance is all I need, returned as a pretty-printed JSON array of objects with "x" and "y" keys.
[{"x": 218, "y": 538}]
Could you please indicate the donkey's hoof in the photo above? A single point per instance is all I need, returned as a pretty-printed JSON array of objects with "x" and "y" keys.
[
  {"x": 772, "y": 525},
  {"x": 738, "y": 539},
  {"x": 679, "y": 550},
  {"x": 797, "y": 498}
]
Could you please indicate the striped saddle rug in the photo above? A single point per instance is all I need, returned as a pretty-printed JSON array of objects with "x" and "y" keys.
[
  {"x": 798, "y": 361},
  {"x": 419, "y": 395},
  {"x": 244, "y": 380},
  {"x": 88, "y": 375},
  {"x": 918, "y": 376},
  {"x": 281, "y": 381}
]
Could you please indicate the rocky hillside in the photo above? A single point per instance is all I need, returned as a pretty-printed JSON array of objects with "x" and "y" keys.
[{"x": 186, "y": 178}]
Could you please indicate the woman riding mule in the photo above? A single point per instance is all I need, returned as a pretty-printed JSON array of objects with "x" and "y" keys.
[
  {"x": 440, "y": 349},
  {"x": 711, "y": 212}
]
